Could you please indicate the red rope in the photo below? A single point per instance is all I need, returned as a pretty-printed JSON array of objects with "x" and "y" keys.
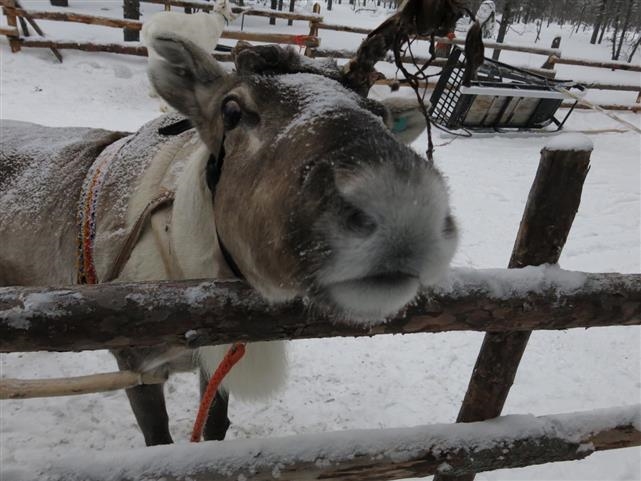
[
  {"x": 234, "y": 354},
  {"x": 301, "y": 40}
]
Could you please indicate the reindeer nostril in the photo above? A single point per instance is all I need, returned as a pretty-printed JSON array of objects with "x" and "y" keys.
[{"x": 359, "y": 222}]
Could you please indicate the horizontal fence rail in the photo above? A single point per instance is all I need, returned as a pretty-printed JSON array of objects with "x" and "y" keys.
[
  {"x": 196, "y": 313},
  {"x": 240, "y": 10},
  {"x": 310, "y": 42},
  {"x": 456, "y": 41},
  {"x": 591, "y": 63},
  {"x": 365, "y": 455},
  {"x": 287, "y": 39}
]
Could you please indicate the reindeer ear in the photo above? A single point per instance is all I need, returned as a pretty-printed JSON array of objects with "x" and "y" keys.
[
  {"x": 187, "y": 77},
  {"x": 180, "y": 71},
  {"x": 407, "y": 121}
]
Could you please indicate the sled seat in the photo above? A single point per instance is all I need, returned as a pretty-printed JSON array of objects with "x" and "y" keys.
[{"x": 500, "y": 97}]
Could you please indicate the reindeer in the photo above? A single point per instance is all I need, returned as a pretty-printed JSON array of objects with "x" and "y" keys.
[
  {"x": 204, "y": 29},
  {"x": 289, "y": 179}
]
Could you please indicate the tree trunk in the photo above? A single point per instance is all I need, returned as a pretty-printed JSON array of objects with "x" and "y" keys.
[
  {"x": 292, "y": 4},
  {"x": 273, "y": 6},
  {"x": 634, "y": 49},
  {"x": 578, "y": 24},
  {"x": 505, "y": 23},
  {"x": 131, "y": 10},
  {"x": 624, "y": 29}
]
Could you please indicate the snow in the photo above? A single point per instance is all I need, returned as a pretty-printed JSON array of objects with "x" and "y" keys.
[
  {"x": 570, "y": 142},
  {"x": 386, "y": 381},
  {"x": 502, "y": 283},
  {"x": 246, "y": 457}
]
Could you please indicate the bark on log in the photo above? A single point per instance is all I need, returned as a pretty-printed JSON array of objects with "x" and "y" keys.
[
  {"x": 389, "y": 57},
  {"x": 245, "y": 11},
  {"x": 300, "y": 40},
  {"x": 609, "y": 86},
  {"x": 630, "y": 107},
  {"x": 140, "y": 50},
  {"x": 456, "y": 41},
  {"x": 590, "y": 63},
  {"x": 87, "y": 47},
  {"x": 196, "y": 313},
  {"x": 9, "y": 31},
  {"x": 12, "y": 23},
  {"x": 132, "y": 25},
  {"x": 365, "y": 455},
  {"x": 69, "y": 386},
  {"x": 551, "y": 206}
]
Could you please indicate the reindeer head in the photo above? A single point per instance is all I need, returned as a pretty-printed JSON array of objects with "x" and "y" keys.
[{"x": 316, "y": 194}]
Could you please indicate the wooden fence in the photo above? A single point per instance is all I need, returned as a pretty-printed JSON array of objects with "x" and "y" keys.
[
  {"x": 143, "y": 314},
  {"x": 310, "y": 42}
]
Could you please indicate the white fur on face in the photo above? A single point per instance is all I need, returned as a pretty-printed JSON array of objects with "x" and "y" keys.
[{"x": 375, "y": 275}]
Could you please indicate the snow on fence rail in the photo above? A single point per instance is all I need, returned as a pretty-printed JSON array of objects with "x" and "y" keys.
[
  {"x": 196, "y": 313},
  {"x": 506, "y": 442}
]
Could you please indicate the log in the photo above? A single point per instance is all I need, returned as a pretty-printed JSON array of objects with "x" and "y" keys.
[
  {"x": 505, "y": 46},
  {"x": 343, "y": 28},
  {"x": 12, "y": 23},
  {"x": 85, "y": 46},
  {"x": 300, "y": 40},
  {"x": 364, "y": 455},
  {"x": 9, "y": 31},
  {"x": 623, "y": 107},
  {"x": 457, "y": 41},
  {"x": 133, "y": 25},
  {"x": 590, "y": 63},
  {"x": 284, "y": 15},
  {"x": 239, "y": 10},
  {"x": 609, "y": 86},
  {"x": 38, "y": 30},
  {"x": 389, "y": 57},
  {"x": 69, "y": 386},
  {"x": 551, "y": 206},
  {"x": 581, "y": 100},
  {"x": 103, "y": 47},
  {"x": 196, "y": 313}
]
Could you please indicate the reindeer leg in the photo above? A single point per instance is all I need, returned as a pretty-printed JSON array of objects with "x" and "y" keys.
[
  {"x": 217, "y": 421},
  {"x": 147, "y": 403}
]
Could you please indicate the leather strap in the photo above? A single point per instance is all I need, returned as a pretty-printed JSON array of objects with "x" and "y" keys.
[{"x": 160, "y": 201}]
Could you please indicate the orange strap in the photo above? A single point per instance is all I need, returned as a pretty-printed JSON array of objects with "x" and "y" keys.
[
  {"x": 301, "y": 40},
  {"x": 234, "y": 354}
]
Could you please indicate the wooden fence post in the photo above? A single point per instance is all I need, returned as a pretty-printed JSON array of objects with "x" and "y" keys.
[
  {"x": 549, "y": 63},
  {"x": 551, "y": 206},
  {"x": 131, "y": 10},
  {"x": 313, "y": 29},
  {"x": 12, "y": 22}
]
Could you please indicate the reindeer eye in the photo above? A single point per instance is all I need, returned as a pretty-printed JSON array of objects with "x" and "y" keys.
[{"x": 232, "y": 113}]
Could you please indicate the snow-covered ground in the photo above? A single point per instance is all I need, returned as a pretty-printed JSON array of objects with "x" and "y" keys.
[{"x": 387, "y": 381}]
